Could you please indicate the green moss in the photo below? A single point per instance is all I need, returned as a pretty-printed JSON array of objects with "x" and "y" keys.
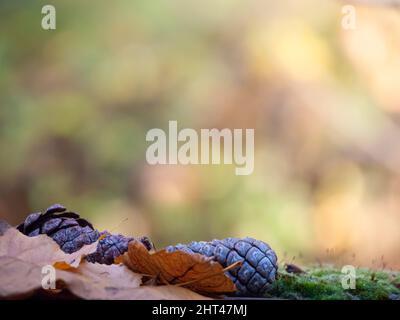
[{"x": 325, "y": 283}]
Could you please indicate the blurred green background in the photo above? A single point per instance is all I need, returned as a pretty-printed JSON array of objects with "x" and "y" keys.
[{"x": 76, "y": 103}]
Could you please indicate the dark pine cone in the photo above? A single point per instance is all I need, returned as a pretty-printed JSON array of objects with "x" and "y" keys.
[
  {"x": 66, "y": 228},
  {"x": 113, "y": 245},
  {"x": 109, "y": 247},
  {"x": 257, "y": 271},
  {"x": 72, "y": 232}
]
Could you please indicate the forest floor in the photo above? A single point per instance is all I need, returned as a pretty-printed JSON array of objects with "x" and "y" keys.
[{"x": 323, "y": 283}]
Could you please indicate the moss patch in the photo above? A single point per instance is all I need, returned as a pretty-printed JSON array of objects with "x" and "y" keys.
[{"x": 325, "y": 283}]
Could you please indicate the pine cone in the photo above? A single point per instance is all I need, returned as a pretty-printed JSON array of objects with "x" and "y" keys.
[
  {"x": 257, "y": 271},
  {"x": 72, "y": 232},
  {"x": 113, "y": 245},
  {"x": 66, "y": 228},
  {"x": 109, "y": 247}
]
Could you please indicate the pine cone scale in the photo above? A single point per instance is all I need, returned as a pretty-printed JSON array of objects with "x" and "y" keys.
[
  {"x": 51, "y": 225},
  {"x": 24, "y": 227},
  {"x": 55, "y": 208}
]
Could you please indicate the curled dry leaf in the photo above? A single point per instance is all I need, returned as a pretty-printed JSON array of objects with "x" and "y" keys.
[
  {"x": 19, "y": 279},
  {"x": 40, "y": 250},
  {"x": 194, "y": 271},
  {"x": 22, "y": 259},
  {"x": 98, "y": 281}
]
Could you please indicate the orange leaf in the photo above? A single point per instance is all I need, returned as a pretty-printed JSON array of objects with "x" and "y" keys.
[{"x": 194, "y": 271}]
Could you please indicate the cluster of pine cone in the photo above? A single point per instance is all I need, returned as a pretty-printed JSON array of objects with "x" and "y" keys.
[{"x": 71, "y": 232}]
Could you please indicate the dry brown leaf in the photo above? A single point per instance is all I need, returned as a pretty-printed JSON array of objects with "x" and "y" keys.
[
  {"x": 41, "y": 250},
  {"x": 165, "y": 293},
  {"x": 194, "y": 271},
  {"x": 97, "y": 281},
  {"x": 19, "y": 279},
  {"x": 22, "y": 259}
]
